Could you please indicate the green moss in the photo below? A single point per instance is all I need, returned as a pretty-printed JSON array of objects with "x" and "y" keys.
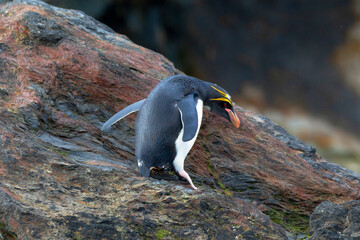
[
  {"x": 77, "y": 236},
  {"x": 6, "y": 234},
  {"x": 226, "y": 191},
  {"x": 57, "y": 151},
  {"x": 62, "y": 153},
  {"x": 292, "y": 221},
  {"x": 215, "y": 175},
  {"x": 212, "y": 171},
  {"x": 161, "y": 233},
  {"x": 13, "y": 110}
]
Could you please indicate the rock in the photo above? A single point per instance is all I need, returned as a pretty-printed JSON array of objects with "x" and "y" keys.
[
  {"x": 62, "y": 75},
  {"x": 336, "y": 221}
]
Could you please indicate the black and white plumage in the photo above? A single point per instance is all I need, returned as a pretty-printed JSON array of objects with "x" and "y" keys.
[{"x": 169, "y": 120}]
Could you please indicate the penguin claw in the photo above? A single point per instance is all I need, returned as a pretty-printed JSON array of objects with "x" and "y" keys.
[{"x": 185, "y": 175}]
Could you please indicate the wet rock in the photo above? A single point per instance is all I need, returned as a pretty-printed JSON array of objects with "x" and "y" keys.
[
  {"x": 336, "y": 221},
  {"x": 62, "y": 178}
]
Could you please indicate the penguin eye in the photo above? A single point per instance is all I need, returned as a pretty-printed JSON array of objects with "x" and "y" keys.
[{"x": 226, "y": 105}]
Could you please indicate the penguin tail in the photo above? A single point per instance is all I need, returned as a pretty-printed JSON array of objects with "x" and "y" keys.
[{"x": 123, "y": 113}]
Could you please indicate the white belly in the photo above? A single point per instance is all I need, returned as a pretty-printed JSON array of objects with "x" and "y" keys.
[{"x": 183, "y": 148}]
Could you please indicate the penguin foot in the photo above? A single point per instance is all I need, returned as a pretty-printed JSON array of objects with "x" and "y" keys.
[
  {"x": 185, "y": 175},
  {"x": 159, "y": 173}
]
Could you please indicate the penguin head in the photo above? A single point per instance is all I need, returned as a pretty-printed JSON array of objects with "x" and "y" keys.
[{"x": 220, "y": 103}]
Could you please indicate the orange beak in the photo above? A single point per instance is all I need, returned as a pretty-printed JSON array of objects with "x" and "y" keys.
[{"x": 233, "y": 118}]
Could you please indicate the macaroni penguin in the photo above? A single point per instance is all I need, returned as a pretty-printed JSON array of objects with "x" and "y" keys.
[{"x": 169, "y": 120}]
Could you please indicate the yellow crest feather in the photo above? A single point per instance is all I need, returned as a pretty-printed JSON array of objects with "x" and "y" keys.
[{"x": 226, "y": 97}]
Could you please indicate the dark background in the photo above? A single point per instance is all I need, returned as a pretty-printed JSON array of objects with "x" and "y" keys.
[{"x": 282, "y": 58}]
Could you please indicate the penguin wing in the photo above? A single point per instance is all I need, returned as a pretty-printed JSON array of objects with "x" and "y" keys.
[
  {"x": 189, "y": 116},
  {"x": 123, "y": 113}
]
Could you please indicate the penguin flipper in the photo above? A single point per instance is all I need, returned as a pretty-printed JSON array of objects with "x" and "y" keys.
[
  {"x": 123, "y": 113},
  {"x": 189, "y": 116}
]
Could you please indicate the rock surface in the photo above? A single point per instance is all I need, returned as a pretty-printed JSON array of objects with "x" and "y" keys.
[
  {"x": 62, "y": 74},
  {"x": 336, "y": 221}
]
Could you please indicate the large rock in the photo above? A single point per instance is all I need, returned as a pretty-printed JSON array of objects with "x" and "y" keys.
[
  {"x": 336, "y": 221},
  {"x": 62, "y": 74}
]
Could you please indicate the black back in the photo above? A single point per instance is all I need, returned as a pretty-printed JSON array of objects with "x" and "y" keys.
[{"x": 158, "y": 123}]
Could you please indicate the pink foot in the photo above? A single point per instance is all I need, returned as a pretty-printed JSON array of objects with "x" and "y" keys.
[{"x": 187, "y": 177}]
